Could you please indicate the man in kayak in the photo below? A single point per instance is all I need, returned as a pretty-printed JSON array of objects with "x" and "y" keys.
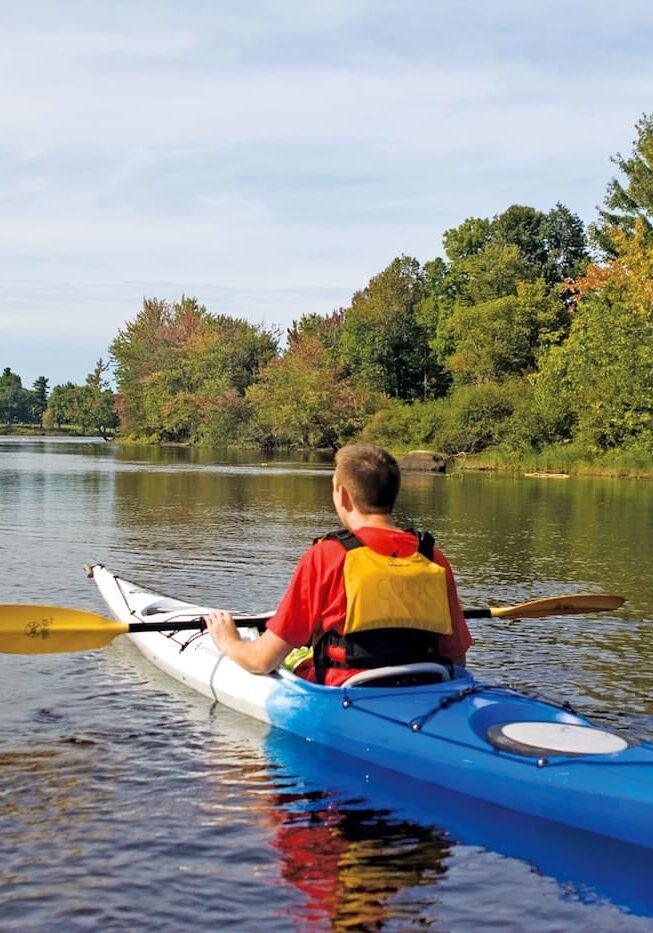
[{"x": 367, "y": 596}]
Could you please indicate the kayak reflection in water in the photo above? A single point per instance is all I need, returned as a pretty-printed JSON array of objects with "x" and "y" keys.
[
  {"x": 367, "y": 596},
  {"x": 350, "y": 863}
]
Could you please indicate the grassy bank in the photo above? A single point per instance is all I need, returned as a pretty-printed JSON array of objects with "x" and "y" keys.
[{"x": 561, "y": 460}]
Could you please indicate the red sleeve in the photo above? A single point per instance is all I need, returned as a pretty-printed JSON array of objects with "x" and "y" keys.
[
  {"x": 456, "y": 644},
  {"x": 314, "y": 595}
]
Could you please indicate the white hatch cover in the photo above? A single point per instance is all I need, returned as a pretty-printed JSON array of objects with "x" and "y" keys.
[{"x": 554, "y": 738}]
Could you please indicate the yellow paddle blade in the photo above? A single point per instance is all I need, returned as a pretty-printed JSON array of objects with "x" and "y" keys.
[
  {"x": 49, "y": 629},
  {"x": 559, "y": 606}
]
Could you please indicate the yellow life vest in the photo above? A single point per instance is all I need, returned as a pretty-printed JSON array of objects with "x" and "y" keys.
[
  {"x": 397, "y": 607},
  {"x": 395, "y": 592}
]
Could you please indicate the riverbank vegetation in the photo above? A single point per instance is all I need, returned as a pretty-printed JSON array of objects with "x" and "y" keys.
[
  {"x": 528, "y": 345},
  {"x": 88, "y": 409}
]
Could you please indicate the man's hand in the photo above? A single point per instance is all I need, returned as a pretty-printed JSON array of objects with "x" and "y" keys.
[
  {"x": 222, "y": 629},
  {"x": 259, "y": 656}
]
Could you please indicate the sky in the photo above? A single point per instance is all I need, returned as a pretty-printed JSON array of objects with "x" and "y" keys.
[{"x": 270, "y": 156}]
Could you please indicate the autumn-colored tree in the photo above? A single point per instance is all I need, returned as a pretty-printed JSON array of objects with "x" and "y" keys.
[
  {"x": 176, "y": 364},
  {"x": 325, "y": 328},
  {"x": 630, "y": 272},
  {"x": 303, "y": 400}
]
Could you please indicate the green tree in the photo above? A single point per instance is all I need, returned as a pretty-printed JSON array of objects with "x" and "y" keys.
[
  {"x": 230, "y": 351},
  {"x": 224, "y": 417},
  {"x": 39, "y": 398},
  {"x": 492, "y": 273},
  {"x": 383, "y": 345},
  {"x": 475, "y": 417},
  {"x": 467, "y": 239},
  {"x": 138, "y": 350},
  {"x": 552, "y": 246},
  {"x": 503, "y": 337},
  {"x": 14, "y": 399},
  {"x": 521, "y": 226},
  {"x": 565, "y": 245},
  {"x": 432, "y": 314},
  {"x": 96, "y": 413},
  {"x": 63, "y": 404},
  {"x": 629, "y": 200},
  {"x": 89, "y": 407}
]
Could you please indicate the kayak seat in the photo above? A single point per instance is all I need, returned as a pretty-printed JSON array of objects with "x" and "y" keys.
[{"x": 400, "y": 675}]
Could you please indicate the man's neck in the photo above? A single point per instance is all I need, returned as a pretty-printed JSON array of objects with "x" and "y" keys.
[{"x": 370, "y": 520}]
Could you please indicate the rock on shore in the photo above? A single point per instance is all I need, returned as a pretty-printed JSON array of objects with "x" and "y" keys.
[{"x": 423, "y": 461}]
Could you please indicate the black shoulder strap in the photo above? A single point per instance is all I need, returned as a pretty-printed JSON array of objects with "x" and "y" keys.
[
  {"x": 425, "y": 542},
  {"x": 346, "y": 537}
]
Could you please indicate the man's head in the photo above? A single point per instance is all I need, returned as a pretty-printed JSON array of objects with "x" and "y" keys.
[{"x": 367, "y": 479}]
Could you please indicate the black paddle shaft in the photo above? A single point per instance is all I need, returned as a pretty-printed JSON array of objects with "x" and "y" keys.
[
  {"x": 257, "y": 622},
  {"x": 193, "y": 625}
]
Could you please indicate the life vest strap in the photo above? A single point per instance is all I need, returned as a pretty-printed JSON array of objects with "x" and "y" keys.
[
  {"x": 376, "y": 648},
  {"x": 425, "y": 544},
  {"x": 344, "y": 536},
  {"x": 425, "y": 540}
]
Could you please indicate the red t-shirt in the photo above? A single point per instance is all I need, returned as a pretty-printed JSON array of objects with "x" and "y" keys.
[{"x": 316, "y": 598}]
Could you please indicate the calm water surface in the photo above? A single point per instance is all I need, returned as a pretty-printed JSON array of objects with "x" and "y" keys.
[{"x": 128, "y": 803}]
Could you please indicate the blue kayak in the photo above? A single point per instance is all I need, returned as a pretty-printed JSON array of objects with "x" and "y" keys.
[{"x": 524, "y": 753}]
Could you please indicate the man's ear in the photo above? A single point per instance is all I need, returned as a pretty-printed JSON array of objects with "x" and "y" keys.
[{"x": 345, "y": 498}]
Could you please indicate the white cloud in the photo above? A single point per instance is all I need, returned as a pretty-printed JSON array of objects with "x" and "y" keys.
[{"x": 272, "y": 157}]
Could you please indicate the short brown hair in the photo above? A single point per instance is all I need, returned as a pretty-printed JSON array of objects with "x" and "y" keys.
[{"x": 371, "y": 475}]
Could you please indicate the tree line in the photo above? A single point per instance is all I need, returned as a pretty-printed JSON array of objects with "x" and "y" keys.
[
  {"x": 531, "y": 333},
  {"x": 88, "y": 408},
  {"x": 416, "y": 342}
]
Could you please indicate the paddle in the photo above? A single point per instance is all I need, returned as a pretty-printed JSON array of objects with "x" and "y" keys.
[
  {"x": 34, "y": 629},
  {"x": 550, "y": 606}
]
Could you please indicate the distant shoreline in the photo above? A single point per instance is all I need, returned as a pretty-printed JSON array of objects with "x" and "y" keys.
[
  {"x": 35, "y": 430},
  {"x": 532, "y": 465}
]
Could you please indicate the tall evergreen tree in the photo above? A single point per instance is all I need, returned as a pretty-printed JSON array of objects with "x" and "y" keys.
[
  {"x": 39, "y": 398},
  {"x": 631, "y": 199}
]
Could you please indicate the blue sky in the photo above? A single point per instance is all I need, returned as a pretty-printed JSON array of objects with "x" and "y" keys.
[{"x": 270, "y": 156}]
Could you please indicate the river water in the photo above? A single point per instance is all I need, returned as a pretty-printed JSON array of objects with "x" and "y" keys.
[{"x": 129, "y": 803}]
